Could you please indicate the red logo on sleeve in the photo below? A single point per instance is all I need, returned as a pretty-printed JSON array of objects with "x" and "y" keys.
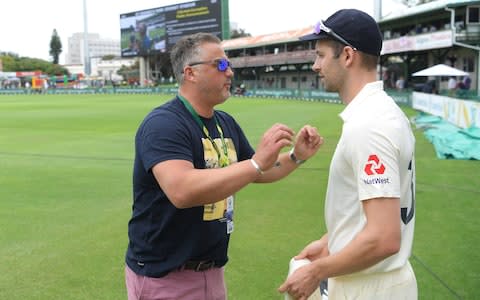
[{"x": 374, "y": 166}]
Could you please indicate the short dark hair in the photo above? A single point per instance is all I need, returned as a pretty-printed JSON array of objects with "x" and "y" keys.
[
  {"x": 368, "y": 61},
  {"x": 187, "y": 49}
]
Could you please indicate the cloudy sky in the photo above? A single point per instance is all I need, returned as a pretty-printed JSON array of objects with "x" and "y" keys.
[{"x": 26, "y": 26}]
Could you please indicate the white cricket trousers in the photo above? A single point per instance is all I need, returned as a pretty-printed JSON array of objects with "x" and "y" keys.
[{"x": 394, "y": 285}]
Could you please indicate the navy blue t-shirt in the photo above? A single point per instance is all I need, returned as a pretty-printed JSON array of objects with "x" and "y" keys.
[{"x": 161, "y": 236}]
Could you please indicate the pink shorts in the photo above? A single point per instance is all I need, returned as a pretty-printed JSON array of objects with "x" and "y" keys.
[{"x": 184, "y": 284}]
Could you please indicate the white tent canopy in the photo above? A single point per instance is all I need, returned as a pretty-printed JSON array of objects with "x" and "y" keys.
[{"x": 440, "y": 70}]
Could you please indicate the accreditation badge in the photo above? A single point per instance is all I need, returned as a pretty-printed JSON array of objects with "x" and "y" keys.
[{"x": 229, "y": 214}]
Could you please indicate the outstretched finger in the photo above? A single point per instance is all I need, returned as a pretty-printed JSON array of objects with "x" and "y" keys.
[
  {"x": 283, "y": 288},
  {"x": 303, "y": 254}
]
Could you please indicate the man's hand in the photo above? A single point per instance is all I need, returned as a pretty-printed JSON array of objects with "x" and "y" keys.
[
  {"x": 301, "y": 284},
  {"x": 272, "y": 142},
  {"x": 307, "y": 142},
  {"x": 314, "y": 250}
]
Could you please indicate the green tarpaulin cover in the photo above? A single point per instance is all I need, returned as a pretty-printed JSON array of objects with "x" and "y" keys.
[{"x": 450, "y": 142}]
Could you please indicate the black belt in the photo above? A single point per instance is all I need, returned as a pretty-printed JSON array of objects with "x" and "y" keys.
[{"x": 198, "y": 266}]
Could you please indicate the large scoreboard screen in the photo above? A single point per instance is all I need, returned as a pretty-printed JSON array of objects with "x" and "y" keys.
[{"x": 158, "y": 29}]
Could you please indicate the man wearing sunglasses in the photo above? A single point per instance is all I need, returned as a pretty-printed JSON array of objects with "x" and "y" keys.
[
  {"x": 190, "y": 160},
  {"x": 370, "y": 199}
]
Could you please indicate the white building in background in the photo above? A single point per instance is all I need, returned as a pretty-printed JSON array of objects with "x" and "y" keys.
[
  {"x": 97, "y": 48},
  {"x": 103, "y": 69},
  {"x": 107, "y": 69}
]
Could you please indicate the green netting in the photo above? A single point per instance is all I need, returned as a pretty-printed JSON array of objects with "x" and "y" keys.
[{"x": 450, "y": 142}]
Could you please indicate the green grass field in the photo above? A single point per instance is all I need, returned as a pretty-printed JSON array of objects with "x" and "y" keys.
[{"x": 65, "y": 200}]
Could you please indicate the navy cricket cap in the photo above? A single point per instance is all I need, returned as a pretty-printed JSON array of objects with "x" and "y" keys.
[{"x": 351, "y": 27}]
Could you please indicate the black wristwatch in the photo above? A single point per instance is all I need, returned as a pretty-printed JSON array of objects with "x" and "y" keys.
[{"x": 294, "y": 158}]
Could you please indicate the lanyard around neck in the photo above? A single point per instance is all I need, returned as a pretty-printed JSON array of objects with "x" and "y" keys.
[{"x": 222, "y": 159}]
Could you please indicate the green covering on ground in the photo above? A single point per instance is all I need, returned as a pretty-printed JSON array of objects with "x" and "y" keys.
[{"x": 450, "y": 141}]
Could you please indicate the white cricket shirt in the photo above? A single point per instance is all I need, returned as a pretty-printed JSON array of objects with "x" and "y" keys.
[{"x": 374, "y": 158}]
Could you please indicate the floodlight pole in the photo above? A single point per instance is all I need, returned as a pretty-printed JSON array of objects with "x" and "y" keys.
[
  {"x": 377, "y": 10},
  {"x": 86, "y": 51},
  {"x": 144, "y": 66}
]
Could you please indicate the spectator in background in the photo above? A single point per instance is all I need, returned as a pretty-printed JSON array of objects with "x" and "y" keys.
[
  {"x": 386, "y": 78},
  {"x": 45, "y": 86},
  {"x": 465, "y": 83},
  {"x": 400, "y": 83},
  {"x": 452, "y": 85},
  {"x": 240, "y": 90},
  {"x": 429, "y": 87},
  {"x": 464, "y": 86}
]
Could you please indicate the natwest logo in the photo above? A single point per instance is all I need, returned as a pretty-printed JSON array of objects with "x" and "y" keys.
[{"x": 374, "y": 166}]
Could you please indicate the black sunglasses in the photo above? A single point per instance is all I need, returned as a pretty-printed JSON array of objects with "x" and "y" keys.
[{"x": 222, "y": 64}]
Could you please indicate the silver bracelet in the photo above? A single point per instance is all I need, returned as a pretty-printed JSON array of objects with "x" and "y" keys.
[
  {"x": 294, "y": 158},
  {"x": 256, "y": 166}
]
